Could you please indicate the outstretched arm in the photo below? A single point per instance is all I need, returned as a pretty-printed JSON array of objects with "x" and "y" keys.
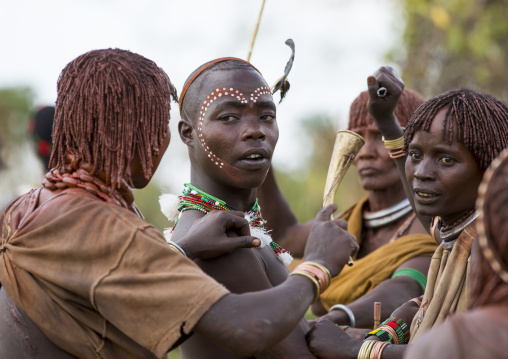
[
  {"x": 328, "y": 341},
  {"x": 382, "y": 110},
  {"x": 251, "y": 322},
  {"x": 286, "y": 231},
  {"x": 392, "y": 293},
  {"x": 243, "y": 271}
]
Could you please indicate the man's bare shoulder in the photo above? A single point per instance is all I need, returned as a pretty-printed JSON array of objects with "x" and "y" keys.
[{"x": 243, "y": 270}]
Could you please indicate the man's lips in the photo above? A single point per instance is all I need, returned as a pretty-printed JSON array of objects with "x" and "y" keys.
[
  {"x": 256, "y": 154},
  {"x": 254, "y": 159}
]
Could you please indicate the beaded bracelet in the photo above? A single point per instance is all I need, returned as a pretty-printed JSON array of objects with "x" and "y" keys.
[
  {"x": 400, "y": 328},
  {"x": 382, "y": 334},
  {"x": 392, "y": 330},
  {"x": 176, "y": 248}
]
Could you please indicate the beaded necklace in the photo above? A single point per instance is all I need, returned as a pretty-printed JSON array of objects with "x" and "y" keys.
[{"x": 194, "y": 198}]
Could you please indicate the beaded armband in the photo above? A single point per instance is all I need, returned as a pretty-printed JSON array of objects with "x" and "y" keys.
[{"x": 392, "y": 330}]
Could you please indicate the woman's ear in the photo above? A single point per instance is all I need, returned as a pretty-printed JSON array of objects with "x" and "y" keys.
[{"x": 186, "y": 132}]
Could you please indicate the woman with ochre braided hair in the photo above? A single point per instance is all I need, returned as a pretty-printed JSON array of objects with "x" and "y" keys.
[
  {"x": 395, "y": 249},
  {"x": 482, "y": 331},
  {"x": 450, "y": 141},
  {"x": 83, "y": 275}
]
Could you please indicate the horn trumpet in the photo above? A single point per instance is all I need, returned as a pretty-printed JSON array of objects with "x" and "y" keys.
[{"x": 346, "y": 147}]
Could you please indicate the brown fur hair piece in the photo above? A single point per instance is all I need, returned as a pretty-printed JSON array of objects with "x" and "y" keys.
[
  {"x": 359, "y": 116},
  {"x": 111, "y": 105},
  {"x": 481, "y": 122}
]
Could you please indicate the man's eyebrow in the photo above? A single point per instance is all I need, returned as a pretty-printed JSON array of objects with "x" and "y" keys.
[
  {"x": 266, "y": 103},
  {"x": 230, "y": 103}
]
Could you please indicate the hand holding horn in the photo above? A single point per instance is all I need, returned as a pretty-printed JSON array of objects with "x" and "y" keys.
[{"x": 346, "y": 147}]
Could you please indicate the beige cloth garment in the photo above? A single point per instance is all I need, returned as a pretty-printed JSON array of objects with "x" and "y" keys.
[
  {"x": 478, "y": 334},
  {"x": 447, "y": 284},
  {"x": 99, "y": 281},
  {"x": 377, "y": 266}
]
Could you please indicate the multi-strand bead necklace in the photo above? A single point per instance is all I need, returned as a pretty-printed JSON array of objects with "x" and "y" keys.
[{"x": 194, "y": 198}]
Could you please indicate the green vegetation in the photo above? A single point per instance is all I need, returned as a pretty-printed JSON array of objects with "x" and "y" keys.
[{"x": 454, "y": 43}]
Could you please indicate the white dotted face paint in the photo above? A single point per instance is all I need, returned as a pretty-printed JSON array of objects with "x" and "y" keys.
[{"x": 218, "y": 93}]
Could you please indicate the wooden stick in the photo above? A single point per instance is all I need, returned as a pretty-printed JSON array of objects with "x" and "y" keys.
[
  {"x": 255, "y": 31},
  {"x": 377, "y": 314}
]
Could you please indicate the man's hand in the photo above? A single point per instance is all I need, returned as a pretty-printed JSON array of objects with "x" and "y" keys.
[
  {"x": 329, "y": 241},
  {"x": 217, "y": 233},
  {"x": 328, "y": 341}
]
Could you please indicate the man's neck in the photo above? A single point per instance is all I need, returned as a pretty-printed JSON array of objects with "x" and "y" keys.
[{"x": 240, "y": 198}]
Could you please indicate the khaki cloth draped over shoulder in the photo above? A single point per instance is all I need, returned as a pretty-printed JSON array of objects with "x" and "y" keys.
[
  {"x": 447, "y": 284},
  {"x": 99, "y": 281},
  {"x": 478, "y": 334},
  {"x": 376, "y": 267}
]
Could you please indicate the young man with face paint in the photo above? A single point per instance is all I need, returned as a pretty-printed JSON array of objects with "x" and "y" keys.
[
  {"x": 229, "y": 125},
  {"x": 84, "y": 276},
  {"x": 450, "y": 141}
]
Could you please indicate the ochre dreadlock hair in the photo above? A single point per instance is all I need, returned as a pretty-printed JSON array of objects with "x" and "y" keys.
[
  {"x": 359, "y": 116},
  {"x": 111, "y": 105},
  {"x": 481, "y": 122},
  {"x": 489, "y": 274}
]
